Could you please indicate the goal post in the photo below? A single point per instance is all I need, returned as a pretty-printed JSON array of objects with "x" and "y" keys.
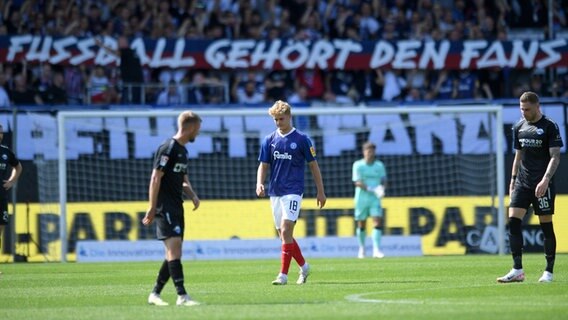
[{"x": 432, "y": 154}]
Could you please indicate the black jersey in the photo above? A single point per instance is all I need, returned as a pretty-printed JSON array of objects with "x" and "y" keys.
[
  {"x": 171, "y": 158},
  {"x": 535, "y": 139},
  {"x": 8, "y": 160}
]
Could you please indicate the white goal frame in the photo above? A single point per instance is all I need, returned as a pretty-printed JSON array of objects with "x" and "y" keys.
[{"x": 63, "y": 116}]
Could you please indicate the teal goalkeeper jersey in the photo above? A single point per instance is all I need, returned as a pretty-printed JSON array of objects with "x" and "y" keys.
[{"x": 369, "y": 174}]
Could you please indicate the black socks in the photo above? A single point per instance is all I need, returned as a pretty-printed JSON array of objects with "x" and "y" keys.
[
  {"x": 549, "y": 245},
  {"x": 163, "y": 277},
  {"x": 176, "y": 273},
  {"x": 516, "y": 241}
]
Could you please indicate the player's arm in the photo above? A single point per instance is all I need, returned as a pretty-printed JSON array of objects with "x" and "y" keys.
[
  {"x": 550, "y": 170},
  {"x": 515, "y": 169},
  {"x": 190, "y": 193},
  {"x": 153, "y": 191},
  {"x": 316, "y": 174},
  {"x": 261, "y": 177},
  {"x": 357, "y": 182},
  {"x": 364, "y": 186},
  {"x": 356, "y": 177},
  {"x": 16, "y": 172}
]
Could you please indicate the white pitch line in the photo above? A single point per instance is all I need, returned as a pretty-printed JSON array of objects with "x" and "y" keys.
[{"x": 359, "y": 298}]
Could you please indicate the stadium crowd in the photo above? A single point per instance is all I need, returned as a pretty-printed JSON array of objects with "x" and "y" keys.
[{"x": 27, "y": 84}]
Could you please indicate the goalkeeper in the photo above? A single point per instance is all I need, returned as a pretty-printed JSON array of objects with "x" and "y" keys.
[{"x": 369, "y": 177}]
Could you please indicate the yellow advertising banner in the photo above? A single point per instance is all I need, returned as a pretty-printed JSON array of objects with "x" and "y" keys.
[{"x": 447, "y": 225}]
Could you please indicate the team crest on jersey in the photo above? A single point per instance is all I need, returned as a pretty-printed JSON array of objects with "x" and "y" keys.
[
  {"x": 4, "y": 157},
  {"x": 164, "y": 160},
  {"x": 313, "y": 151},
  {"x": 539, "y": 131},
  {"x": 293, "y": 145}
]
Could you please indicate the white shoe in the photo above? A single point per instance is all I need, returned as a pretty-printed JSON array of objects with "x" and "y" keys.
[
  {"x": 515, "y": 275},
  {"x": 156, "y": 300},
  {"x": 281, "y": 280},
  {"x": 546, "y": 277},
  {"x": 304, "y": 273},
  {"x": 185, "y": 300},
  {"x": 378, "y": 254},
  {"x": 361, "y": 254}
]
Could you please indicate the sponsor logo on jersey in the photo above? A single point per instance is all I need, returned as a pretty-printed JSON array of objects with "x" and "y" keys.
[
  {"x": 531, "y": 143},
  {"x": 313, "y": 151},
  {"x": 180, "y": 167},
  {"x": 164, "y": 160},
  {"x": 282, "y": 156}
]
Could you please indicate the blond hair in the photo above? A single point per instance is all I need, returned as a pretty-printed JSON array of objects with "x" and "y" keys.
[
  {"x": 188, "y": 118},
  {"x": 529, "y": 97},
  {"x": 279, "y": 108}
]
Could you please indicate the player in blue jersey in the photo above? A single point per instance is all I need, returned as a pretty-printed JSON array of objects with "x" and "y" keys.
[
  {"x": 537, "y": 143},
  {"x": 168, "y": 183},
  {"x": 285, "y": 152},
  {"x": 369, "y": 177},
  {"x": 10, "y": 170}
]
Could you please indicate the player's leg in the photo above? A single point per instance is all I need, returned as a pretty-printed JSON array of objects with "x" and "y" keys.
[
  {"x": 286, "y": 254},
  {"x": 286, "y": 235},
  {"x": 361, "y": 235},
  {"x": 544, "y": 209},
  {"x": 361, "y": 214},
  {"x": 549, "y": 247},
  {"x": 163, "y": 230},
  {"x": 170, "y": 228},
  {"x": 304, "y": 266},
  {"x": 376, "y": 214},
  {"x": 161, "y": 280},
  {"x": 297, "y": 254},
  {"x": 516, "y": 245},
  {"x": 173, "y": 255},
  {"x": 295, "y": 203},
  {"x": 376, "y": 236},
  {"x": 521, "y": 199},
  {"x": 289, "y": 208}
]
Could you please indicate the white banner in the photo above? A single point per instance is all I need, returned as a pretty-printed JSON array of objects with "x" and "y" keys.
[
  {"x": 328, "y": 247},
  {"x": 144, "y": 133}
]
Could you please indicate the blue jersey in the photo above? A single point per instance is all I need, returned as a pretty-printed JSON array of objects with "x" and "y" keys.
[{"x": 287, "y": 155}]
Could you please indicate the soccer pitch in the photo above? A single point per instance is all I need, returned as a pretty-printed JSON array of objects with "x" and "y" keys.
[{"x": 445, "y": 287}]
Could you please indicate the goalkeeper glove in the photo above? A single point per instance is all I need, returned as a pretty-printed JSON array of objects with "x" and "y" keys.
[{"x": 379, "y": 191}]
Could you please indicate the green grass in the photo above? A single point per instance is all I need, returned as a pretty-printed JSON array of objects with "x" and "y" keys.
[{"x": 449, "y": 287}]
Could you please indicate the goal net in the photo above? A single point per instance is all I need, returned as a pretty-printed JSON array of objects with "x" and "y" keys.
[{"x": 444, "y": 166}]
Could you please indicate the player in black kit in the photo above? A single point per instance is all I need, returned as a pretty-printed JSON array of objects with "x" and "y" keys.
[
  {"x": 537, "y": 145},
  {"x": 10, "y": 170},
  {"x": 168, "y": 183}
]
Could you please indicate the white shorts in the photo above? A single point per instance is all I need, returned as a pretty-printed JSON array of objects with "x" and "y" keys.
[{"x": 285, "y": 207}]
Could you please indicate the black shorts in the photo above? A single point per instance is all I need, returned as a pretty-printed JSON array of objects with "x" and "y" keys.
[
  {"x": 169, "y": 223},
  {"x": 3, "y": 213},
  {"x": 523, "y": 197}
]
